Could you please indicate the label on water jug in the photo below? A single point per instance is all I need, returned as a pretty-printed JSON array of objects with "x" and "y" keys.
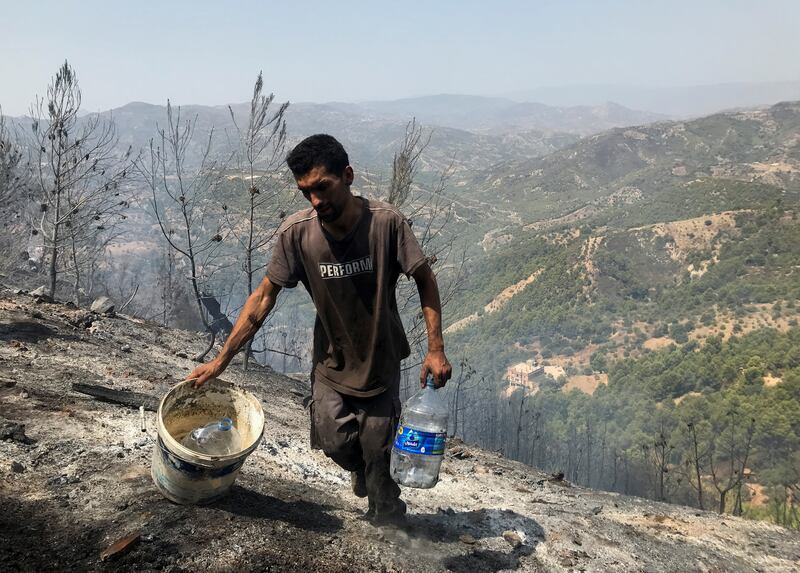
[{"x": 419, "y": 442}]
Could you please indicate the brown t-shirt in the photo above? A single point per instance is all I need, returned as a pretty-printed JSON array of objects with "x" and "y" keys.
[{"x": 359, "y": 339}]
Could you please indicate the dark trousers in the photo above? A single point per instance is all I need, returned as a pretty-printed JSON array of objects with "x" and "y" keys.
[{"x": 357, "y": 434}]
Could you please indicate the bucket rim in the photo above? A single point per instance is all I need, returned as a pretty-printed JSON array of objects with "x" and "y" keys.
[{"x": 182, "y": 452}]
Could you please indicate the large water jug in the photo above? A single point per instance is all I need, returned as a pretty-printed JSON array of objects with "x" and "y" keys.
[
  {"x": 419, "y": 442},
  {"x": 219, "y": 438}
]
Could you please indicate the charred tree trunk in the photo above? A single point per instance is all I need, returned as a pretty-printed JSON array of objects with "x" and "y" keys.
[
  {"x": 519, "y": 425},
  {"x": 696, "y": 461}
]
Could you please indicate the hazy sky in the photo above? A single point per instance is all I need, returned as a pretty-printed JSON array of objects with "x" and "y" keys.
[{"x": 210, "y": 52}]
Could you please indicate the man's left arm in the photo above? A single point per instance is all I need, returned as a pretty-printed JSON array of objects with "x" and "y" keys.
[{"x": 435, "y": 362}]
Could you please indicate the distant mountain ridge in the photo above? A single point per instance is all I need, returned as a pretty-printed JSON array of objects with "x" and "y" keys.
[
  {"x": 477, "y": 131},
  {"x": 676, "y": 101},
  {"x": 371, "y": 140},
  {"x": 479, "y": 113}
]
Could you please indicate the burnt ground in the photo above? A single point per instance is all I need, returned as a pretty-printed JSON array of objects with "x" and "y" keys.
[{"x": 76, "y": 479}]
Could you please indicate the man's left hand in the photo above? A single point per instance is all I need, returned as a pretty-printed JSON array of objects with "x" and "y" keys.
[{"x": 438, "y": 366}]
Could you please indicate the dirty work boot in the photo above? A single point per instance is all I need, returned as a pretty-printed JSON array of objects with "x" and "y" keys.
[
  {"x": 359, "y": 483},
  {"x": 370, "y": 513},
  {"x": 394, "y": 516}
]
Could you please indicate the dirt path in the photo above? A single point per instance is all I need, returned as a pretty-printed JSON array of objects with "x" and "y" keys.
[
  {"x": 509, "y": 292},
  {"x": 496, "y": 303}
]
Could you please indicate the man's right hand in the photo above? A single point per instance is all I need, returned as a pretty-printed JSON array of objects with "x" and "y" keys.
[
  {"x": 253, "y": 313},
  {"x": 205, "y": 372}
]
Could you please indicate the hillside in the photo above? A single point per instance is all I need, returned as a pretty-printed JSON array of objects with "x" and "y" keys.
[
  {"x": 663, "y": 163},
  {"x": 613, "y": 261},
  {"x": 652, "y": 272},
  {"x": 640, "y": 224},
  {"x": 76, "y": 479}
]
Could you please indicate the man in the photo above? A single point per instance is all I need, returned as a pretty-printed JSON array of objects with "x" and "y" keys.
[{"x": 348, "y": 252}]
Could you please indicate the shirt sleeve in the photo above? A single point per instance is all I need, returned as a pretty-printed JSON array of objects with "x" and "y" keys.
[
  {"x": 284, "y": 269},
  {"x": 409, "y": 253}
]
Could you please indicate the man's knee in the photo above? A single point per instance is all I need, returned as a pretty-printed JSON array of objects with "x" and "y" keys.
[
  {"x": 335, "y": 428},
  {"x": 342, "y": 448},
  {"x": 376, "y": 438},
  {"x": 378, "y": 426},
  {"x": 337, "y": 440},
  {"x": 346, "y": 460}
]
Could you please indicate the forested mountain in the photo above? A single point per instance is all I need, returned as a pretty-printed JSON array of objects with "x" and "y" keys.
[
  {"x": 637, "y": 165},
  {"x": 631, "y": 215},
  {"x": 658, "y": 266}
]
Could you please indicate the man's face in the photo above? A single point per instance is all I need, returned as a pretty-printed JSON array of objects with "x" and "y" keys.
[{"x": 327, "y": 193}]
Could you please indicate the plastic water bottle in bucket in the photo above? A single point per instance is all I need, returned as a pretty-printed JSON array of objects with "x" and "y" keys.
[
  {"x": 219, "y": 438},
  {"x": 419, "y": 442}
]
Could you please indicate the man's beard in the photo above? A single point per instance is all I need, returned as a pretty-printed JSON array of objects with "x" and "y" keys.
[{"x": 330, "y": 214}]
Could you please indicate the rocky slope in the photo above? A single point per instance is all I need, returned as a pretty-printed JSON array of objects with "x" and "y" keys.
[{"x": 76, "y": 478}]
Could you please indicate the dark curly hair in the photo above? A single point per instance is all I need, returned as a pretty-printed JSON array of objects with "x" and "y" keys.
[{"x": 315, "y": 150}]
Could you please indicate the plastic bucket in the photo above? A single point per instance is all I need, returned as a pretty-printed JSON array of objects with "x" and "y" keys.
[{"x": 188, "y": 477}]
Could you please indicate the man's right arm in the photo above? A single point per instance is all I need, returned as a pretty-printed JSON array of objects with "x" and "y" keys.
[{"x": 254, "y": 312}]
